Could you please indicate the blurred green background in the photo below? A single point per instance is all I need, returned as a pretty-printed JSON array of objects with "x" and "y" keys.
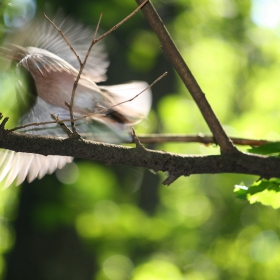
[{"x": 92, "y": 221}]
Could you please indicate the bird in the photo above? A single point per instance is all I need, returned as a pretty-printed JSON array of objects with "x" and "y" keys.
[{"x": 43, "y": 53}]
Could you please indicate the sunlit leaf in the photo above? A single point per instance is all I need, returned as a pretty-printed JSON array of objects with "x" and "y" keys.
[{"x": 266, "y": 192}]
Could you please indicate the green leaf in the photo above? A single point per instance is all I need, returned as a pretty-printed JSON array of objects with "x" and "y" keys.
[
  {"x": 267, "y": 149},
  {"x": 267, "y": 192}
]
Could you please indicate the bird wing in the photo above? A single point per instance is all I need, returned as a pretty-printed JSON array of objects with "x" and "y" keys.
[
  {"x": 42, "y": 61},
  {"x": 18, "y": 166},
  {"x": 40, "y": 33}
]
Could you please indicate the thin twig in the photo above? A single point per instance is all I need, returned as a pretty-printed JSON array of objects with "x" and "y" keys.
[
  {"x": 82, "y": 64},
  {"x": 136, "y": 140},
  {"x": 87, "y": 115},
  {"x": 200, "y": 138},
  {"x": 71, "y": 105},
  {"x": 3, "y": 131},
  {"x": 3, "y": 123},
  {"x": 62, "y": 124},
  {"x": 94, "y": 41},
  {"x": 131, "y": 99},
  {"x": 48, "y": 122},
  {"x": 64, "y": 37},
  {"x": 167, "y": 138},
  {"x": 121, "y": 22},
  {"x": 184, "y": 72}
]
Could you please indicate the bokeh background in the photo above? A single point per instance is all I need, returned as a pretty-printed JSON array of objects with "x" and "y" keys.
[{"x": 92, "y": 221}]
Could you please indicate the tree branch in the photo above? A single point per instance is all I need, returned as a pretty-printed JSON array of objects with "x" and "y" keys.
[
  {"x": 176, "y": 165},
  {"x": 184, "y": 72}
]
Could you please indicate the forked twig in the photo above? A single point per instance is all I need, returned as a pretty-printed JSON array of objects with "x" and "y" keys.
[
  {"x": 71, "y": 105},
  {"x": 94, "y": 41},
  {"x": 121, "y": 22},
  {"x": 62, "y": 124},
  {"x": 82, "y": 64}
]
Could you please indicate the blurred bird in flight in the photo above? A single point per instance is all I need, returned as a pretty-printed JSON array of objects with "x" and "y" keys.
[{"x": 40, "y": 50}]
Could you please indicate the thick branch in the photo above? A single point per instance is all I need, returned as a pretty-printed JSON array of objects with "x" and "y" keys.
[
  {"x": 184, "y": 72},
  {"x": 177, "y": 165}
]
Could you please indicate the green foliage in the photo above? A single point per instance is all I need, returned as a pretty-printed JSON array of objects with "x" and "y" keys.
[
  {"x": 267, "y": 149},
  {"x": 264, "y": 191}
]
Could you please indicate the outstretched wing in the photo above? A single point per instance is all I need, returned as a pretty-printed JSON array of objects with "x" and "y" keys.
[
  {"x": 18, "y": 166},
  {"x": 40, "y": 33}
]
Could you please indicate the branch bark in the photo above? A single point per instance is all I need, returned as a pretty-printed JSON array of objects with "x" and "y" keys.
[{"x": 176, "y": 165}]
